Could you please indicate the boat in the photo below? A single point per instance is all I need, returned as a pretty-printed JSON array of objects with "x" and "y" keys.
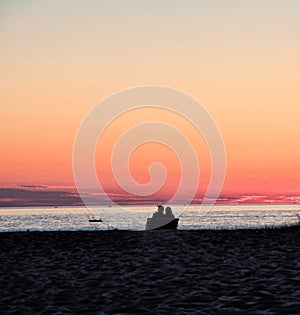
[
  {"x": 95, "y": 220},
  {"x": 162, "y": 224}
]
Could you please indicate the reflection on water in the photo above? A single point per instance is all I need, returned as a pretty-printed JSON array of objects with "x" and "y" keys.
[{"x": 76, "y": 218}]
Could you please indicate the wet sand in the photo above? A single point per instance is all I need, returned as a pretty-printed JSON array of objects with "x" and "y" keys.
[{"x": 153, "y": 272}]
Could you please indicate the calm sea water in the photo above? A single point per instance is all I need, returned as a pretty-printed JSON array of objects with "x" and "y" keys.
[{"x": 134, "y": 217}]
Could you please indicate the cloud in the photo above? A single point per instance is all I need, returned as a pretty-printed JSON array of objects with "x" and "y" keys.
[
  {"x": 33, "y": 186},
  {"x": 36, "y": 195},
  {"x": 12, "y": 197},
  {"x": 39, "y": 195}
]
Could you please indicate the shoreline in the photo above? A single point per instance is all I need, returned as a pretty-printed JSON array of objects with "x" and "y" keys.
[{"x": 280, "y": 227}]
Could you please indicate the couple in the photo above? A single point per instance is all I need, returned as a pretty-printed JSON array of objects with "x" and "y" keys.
[{"x": 160, "y": 213}]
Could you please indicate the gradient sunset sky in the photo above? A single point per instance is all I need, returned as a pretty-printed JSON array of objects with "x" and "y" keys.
[{"x": 240, "y": 59}]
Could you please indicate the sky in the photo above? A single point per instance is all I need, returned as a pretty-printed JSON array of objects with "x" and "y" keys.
[{"x": 240, "y": 59}]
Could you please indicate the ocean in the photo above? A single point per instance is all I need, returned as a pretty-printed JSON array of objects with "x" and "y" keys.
[{"x": 134, "y": 217}]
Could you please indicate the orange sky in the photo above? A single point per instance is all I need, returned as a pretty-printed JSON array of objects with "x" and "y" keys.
[{"x": 241, "y": 61}]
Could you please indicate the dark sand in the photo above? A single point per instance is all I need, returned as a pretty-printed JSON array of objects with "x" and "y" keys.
[{"x": 153, "y": 272}]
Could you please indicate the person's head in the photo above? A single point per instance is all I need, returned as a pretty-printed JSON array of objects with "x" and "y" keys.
[
  {"x": 160, "y": 209},
  {"x": 169, "y": 211}
]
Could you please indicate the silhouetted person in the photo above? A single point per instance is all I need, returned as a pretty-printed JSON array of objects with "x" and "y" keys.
[
  {"x": 160, "y": 213},
  {"x": 161, "y": 220},
  {"x": 169, "y": 214}
]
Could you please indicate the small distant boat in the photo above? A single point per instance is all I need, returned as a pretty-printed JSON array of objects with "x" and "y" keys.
[
  {"x": 162, "y": 224},
  {"x": 95, "y": 220}
]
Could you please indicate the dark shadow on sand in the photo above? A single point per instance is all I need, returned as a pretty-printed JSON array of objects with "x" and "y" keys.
[{"x": 151, "y": 272}]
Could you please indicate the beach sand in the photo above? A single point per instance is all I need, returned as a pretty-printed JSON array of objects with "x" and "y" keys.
[{"x": 153, "y": 272}]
